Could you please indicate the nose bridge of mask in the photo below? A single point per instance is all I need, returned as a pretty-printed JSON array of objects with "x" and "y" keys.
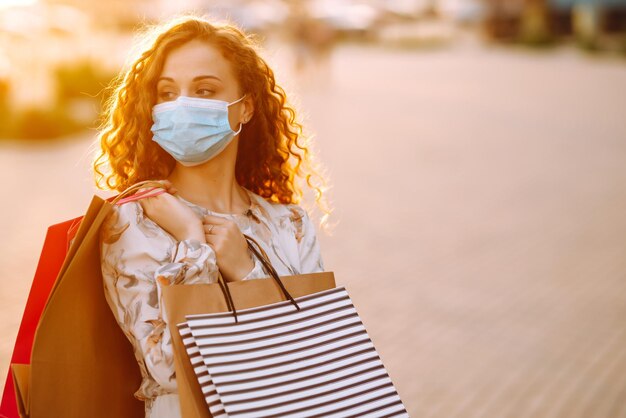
[{"x": 182, "y": 101}]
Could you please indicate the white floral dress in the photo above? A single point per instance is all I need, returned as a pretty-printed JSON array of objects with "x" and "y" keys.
[{"x": 135, "y": 251}]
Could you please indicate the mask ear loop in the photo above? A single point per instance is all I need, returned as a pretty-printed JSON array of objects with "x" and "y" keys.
[
  {"x": 238, "y": 100},
  {"x": 240, "y": 123},
  {"x": 240, "y": 128}
]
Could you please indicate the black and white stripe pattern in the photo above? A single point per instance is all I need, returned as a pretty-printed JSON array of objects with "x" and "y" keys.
[
  {"x": 281, "y": 362},
  {"x": 202, "y": 373}
]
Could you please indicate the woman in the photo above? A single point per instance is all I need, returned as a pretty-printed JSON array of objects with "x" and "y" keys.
[{"x": 200, "y": 111}]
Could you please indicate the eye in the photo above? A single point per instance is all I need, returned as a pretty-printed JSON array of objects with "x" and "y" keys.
[
  {"x": 204, "y": 90},
  {"x": 166, "y": 95}
]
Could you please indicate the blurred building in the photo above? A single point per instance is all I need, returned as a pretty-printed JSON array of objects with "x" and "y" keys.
[{"x": 539, "y": 21}]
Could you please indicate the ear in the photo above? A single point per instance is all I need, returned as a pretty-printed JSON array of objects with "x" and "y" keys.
[{"x": 247, "y": 110}]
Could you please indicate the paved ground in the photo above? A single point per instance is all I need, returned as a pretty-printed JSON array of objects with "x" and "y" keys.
[{"x": 480, "y": 200}]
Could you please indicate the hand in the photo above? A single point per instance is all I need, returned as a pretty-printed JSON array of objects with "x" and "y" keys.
[
  {"x": 173, "y": 215},
  {"x": 230, "y": 246}
]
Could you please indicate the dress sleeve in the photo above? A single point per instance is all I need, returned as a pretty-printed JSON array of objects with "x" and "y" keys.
[
  {"x": 308, "y": 244},
  {"x": 137, "y": 259}
]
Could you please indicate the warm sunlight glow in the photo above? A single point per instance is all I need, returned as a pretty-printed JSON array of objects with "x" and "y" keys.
[{"x": 10, "y": 3}]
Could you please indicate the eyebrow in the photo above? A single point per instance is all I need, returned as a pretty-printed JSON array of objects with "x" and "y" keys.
[{"x": 198, "y": 78}]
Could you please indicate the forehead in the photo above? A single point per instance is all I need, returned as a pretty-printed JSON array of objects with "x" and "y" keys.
[{"x": 196, "y": 58}]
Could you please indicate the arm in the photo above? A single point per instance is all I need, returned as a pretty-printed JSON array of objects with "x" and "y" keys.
[{"x": 137, "y": 258}]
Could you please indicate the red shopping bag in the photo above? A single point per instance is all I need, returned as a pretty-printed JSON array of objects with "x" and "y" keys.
[{"x": 53, "y": 254}]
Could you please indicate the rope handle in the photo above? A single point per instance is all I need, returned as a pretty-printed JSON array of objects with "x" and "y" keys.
[
  {"x": 262, "y": 256},
  {"x": 120, "y": 198},
  {"x": 151, "y": 192},
  {"x": 268, "y": 265}
]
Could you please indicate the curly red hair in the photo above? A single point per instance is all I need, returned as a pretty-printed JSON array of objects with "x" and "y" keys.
[{"x": 269, "y": 165}]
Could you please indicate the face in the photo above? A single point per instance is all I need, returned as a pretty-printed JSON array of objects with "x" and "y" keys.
[{"x": 198, "y": 69}]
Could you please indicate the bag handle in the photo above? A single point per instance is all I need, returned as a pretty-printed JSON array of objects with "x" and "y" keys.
[
  {"x": 258, "y": 252},
  {"x": 119, "y": 199},
  {"x": 265, "y": 261}
]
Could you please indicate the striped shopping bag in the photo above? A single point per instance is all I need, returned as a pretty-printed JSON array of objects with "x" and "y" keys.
[{"x": 277, "y": 361}]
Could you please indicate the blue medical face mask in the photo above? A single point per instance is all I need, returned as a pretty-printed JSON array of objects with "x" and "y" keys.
[{"x": 193, "y": 130}]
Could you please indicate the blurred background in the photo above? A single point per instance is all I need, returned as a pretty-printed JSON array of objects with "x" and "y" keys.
[{"x": 476, "y": 152}]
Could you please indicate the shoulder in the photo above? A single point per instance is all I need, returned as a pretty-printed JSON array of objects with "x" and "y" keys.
[
  {"x": 300, "y": 220},
  {"x": 127, "y": 222},
  {"x": 117, "y": 221},
  {"x": 290, "y": 216}
]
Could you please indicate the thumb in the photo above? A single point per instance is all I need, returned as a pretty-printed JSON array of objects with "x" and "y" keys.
[{"x": 169, "y": 187}]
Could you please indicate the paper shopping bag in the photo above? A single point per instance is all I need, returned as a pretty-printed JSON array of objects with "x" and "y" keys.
[
  {"x": 316, "y": 361},
  {"x": 81, "y": 364},
  {"x": 53, "y": 253},
  {"x": 181, "y": 300}
]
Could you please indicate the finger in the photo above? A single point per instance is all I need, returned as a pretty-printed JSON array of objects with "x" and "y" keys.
[
  {"x": 145, "y": 192},
  {"x": 164, "y": 183},
  {"x": 137, "y": 196},
  {"x": 217, "y": 220},
  {"x": 169, "y": 186},
  {"x": 213, "y": 241},
  {"x": 210, "y": 228},
  {"x": 210, "y": 239},
  {"x": 153, "y": 193}
]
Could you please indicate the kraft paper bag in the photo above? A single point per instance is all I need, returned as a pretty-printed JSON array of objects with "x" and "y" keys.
[
  {"x": 81, "y": 365},
  {"x": 180, "y": 300},
  {"x": 20, "y": 374}
]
